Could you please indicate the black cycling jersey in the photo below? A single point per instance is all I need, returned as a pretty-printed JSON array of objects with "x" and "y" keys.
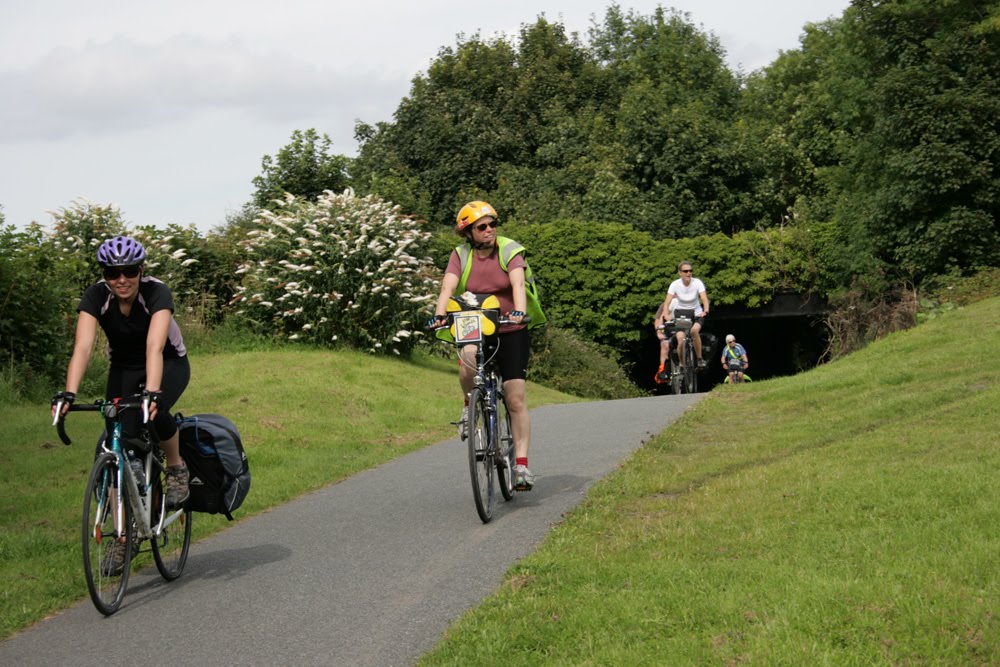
[{"x": 127, "y": 335}]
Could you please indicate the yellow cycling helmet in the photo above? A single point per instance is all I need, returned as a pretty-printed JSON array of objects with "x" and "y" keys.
[{"x": 472, "y": 212}]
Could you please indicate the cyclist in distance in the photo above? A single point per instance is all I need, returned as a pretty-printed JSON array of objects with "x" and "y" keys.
[
  {"x": 144, "y": 345},
  {"x": 687, "y": 293},
  {"x": 487, "y": 263},
  {"x": 734, "y": 359},
  {"x": 664, "y": 335}
]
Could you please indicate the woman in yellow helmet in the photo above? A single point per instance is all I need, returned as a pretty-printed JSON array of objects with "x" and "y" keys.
[{"x": 490, "y": 264}]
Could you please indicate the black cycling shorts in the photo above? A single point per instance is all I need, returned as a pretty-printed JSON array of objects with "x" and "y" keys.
[
  {"x": 124, "y": 382},
  {"x": 512, "y": 351}
]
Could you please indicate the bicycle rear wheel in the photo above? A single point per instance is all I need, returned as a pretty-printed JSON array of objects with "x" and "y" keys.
[
  {"x": 480, "y": 463},
  {"x": 106, "y": 572},
  {"x": 170, "y": 548},
  {"x": 676, "y": 380},
  {"x": 504, "y": 450}
]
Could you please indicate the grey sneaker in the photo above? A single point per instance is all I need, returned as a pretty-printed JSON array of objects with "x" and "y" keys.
[
  {"x": 523, "y": 479},
  {"x": 702, "y": 363},
  {"x": 113, "y": 562},
  {"x": 177, "y": 486}
]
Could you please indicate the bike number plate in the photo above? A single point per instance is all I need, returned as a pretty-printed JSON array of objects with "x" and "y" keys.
[{"x": 468, "y": 328}]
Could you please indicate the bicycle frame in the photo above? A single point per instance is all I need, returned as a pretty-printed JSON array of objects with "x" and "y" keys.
[
  {"x": 140, "y": 502},
  {"x": 487, "y": 380}
]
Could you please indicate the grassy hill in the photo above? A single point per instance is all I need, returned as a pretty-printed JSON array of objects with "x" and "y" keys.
[
  {"x": 847, "y": 515},
  {"x": 844, "y": 516}
]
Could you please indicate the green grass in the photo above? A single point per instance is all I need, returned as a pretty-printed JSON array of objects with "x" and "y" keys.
[
  {"x": 844, "y": 516},
  {"x": 308, "y": 418}
]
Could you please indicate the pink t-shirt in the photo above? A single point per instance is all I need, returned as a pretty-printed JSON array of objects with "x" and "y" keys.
[{"x": 487, "y": 277}]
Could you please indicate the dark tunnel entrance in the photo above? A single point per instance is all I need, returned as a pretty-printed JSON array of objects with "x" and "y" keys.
[{"x": 783, "y": 338}]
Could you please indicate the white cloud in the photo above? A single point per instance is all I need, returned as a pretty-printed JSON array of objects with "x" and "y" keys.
[
  {"x": 120, "y": 85},
  {"x": 167, "y": 106}
]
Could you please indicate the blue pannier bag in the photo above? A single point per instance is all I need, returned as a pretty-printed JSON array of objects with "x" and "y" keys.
[{"x": 219, "y": 471}]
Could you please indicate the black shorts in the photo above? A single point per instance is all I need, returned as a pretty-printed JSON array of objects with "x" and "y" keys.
[
  {"x": 124, "y": 382},
  {"x": 512, "y": 351}
]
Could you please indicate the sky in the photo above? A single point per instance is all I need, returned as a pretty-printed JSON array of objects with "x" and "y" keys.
[{"x": 167, "y": 107}]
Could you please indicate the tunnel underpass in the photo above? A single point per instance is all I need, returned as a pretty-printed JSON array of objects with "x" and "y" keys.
[{"x": 783, "y": 338}]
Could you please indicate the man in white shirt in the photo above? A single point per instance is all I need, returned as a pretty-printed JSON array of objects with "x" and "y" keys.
[{"x": 690, "y": 295}]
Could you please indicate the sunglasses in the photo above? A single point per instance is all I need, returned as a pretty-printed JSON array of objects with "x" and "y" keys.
[
  {"x": 686, "y": 271},
  {"x": 491, "y": 225},
  {"x": 113, "y": 272}
]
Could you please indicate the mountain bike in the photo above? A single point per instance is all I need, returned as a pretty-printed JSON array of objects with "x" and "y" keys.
[
  {"x": 490, "y": 436},
  {"x": 125, "y": 505},
  {"x": 683, "y": 376}
]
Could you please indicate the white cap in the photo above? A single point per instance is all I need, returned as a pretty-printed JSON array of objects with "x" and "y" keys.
[{"x": 730, "y": 337}]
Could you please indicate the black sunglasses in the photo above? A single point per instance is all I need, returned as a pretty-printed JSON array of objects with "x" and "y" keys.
[
  {"x": 113, "y": 272},
  {"x": 686, "y": 271},
  {"x": 491, "y": 225}
]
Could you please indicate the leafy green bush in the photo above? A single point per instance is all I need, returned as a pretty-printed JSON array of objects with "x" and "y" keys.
[
  {"x": 562, "y": 360},
  {"x": 605, "y": 280},
  {"x": 202, "y": 336},
  {"x": 198, "y": 272},
  {"x": 961, "y": 290},
  {"x": 35, "y": 299},
  {"x": 341, "y": 269}
]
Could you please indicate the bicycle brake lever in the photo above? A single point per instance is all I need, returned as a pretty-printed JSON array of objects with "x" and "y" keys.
[{"x": 145, "y": 410}]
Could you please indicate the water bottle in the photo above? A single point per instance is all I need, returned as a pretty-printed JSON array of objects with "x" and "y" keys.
[{"x": 137, "y": 471}]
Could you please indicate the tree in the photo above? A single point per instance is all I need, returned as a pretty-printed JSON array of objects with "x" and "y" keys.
[
  {"x": 636, "y": 126},
  {"x": 928, "y": 173},
  {"x": 306, "y": 167},
  {"x": 885, "y": 125}
]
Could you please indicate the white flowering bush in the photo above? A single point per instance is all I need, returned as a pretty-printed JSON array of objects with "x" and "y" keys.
[
  {"x": 338, "y": 269},
  {"x": 192, "y": 266},
  {"x": 78, "y": 230},
  {"x": 179, "y": 256}
]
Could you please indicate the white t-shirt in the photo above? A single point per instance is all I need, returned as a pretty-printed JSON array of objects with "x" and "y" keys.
[{"x": 686, "y": 296}]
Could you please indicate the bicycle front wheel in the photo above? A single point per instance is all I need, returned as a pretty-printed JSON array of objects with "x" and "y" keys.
[
  {"x": 504, "y": 454},
  {"x": 480, "y": 463},
  {"x": 170, "y": 547},
  {"x": 690, "y": 370},
  {"x": 107, "y": 556}
]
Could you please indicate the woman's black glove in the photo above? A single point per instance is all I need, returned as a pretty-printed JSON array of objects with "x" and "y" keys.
[{"x": 66, "y": 397}]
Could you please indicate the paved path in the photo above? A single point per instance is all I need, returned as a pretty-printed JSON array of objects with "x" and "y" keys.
[{"x": 369, "y": 571}]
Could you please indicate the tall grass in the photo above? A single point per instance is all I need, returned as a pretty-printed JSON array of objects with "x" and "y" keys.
[
  {"x": 308, "y": 418},
  {"x": 845, "y": 516}
]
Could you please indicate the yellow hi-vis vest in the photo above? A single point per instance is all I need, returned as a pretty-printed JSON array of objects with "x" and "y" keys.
[{"x": 507, "y": 249}]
